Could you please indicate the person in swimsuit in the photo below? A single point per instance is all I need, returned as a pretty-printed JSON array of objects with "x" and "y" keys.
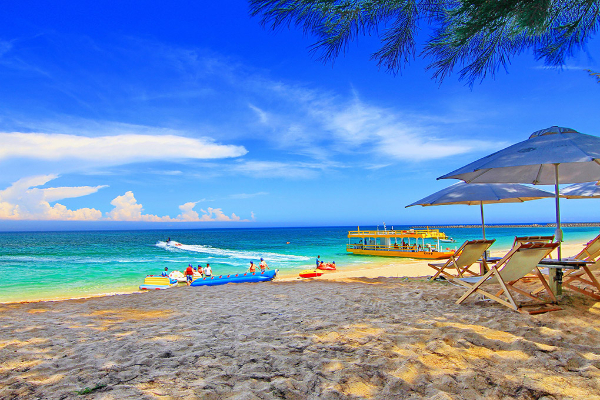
[
  {"x": 252, "y": 267},
  {"x": 263, "y": 266},
  {"x": 165, "y": 272}
]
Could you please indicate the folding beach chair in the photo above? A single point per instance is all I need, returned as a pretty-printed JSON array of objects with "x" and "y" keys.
[
  {"x": 586, "y": 282},
  {"x": 462, "y": 259},
  {"x": 533, "y": 239},
  {"x": 518, "y": 262}
]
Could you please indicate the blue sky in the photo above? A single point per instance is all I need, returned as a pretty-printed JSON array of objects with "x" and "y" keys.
[{"x": 190, "y": 114}]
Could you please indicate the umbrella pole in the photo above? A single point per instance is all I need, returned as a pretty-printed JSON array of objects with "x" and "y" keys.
[
  {"x": 482, "y": 220},
  {"x": 558, "y": 233}
]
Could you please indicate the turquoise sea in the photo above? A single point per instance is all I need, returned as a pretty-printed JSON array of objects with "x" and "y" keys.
[{"x": 57, "y": 265}]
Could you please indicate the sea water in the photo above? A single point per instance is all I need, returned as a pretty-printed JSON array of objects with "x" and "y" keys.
[{"x": 58, "y": 265}]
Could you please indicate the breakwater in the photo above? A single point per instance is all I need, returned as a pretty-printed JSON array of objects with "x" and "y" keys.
[{"x": 548, "y": 225}]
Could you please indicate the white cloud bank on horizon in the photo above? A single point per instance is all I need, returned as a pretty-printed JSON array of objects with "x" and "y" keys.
[
  {"x": 111, "y": 150},
  {"x": 24, "y": 201},
  {"x": 128, "y": 209}
]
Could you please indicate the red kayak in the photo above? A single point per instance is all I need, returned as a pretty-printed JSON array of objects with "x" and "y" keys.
[
  {"x": 310, "y": 273},
  {"x": 327, "y": 267}
]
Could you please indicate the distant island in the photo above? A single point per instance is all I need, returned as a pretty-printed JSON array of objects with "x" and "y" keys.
[{"x": 548, "y": 225}]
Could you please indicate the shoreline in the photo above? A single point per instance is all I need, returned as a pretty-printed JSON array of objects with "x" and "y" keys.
[{"x": 380, "y": 267}]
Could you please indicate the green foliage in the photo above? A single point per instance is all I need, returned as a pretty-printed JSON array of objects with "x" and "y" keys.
[
  {"x": 87, "y": 390},
  {"x": 478, "y": 37},
  {"x": 594, "y": 74}
]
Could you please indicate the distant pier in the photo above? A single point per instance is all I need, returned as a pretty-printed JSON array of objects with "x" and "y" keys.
[{"x": 548, "y": 225}]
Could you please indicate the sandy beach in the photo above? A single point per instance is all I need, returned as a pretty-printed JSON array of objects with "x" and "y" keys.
[{"x": 334, "y": 338}]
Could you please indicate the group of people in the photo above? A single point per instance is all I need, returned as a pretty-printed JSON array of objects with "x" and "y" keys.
[
  {"x": 206, "y": 272},
  {"x": 321, "y": 264},
  {"x": 263, "y": 266}
]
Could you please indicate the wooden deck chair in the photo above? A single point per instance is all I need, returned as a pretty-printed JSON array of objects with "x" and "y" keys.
[
  {"x": 583, "y": 280},
  {"x": 533, "y": 239},
  {"x": 463, "y": 259},
  {"x": 518, "y": 262}
]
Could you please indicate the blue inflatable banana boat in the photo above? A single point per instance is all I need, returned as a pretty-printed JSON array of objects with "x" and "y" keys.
[{"x": 236, "y": 278}]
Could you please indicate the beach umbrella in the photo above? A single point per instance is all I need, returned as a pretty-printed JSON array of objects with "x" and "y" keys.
[
  {"x": 480, "y": 194},
  {"x": 581, "y": 190},
  {"x": 549, "y": 157}
]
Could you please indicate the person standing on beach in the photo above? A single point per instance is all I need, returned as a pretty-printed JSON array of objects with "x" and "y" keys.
[
  {"x": 189, "y": 274},
  {"x": 252, "y": 267},
  {"x": 263, "y": 266},
  {"x": 318, "y": 261},
  {"x": 207, "y": 271},
  {"x": 200, "y": 270},
  {"x": 165, "y": 272}
]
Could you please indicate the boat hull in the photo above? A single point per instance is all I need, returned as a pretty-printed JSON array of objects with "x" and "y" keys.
[
  {"x": 310, "y": 273},
  {"x": 158, "y": 282},
  {"x": 247, "y": 277},
  {"x": 326, "y": 268},
  {"x": 426, "y": 255}
]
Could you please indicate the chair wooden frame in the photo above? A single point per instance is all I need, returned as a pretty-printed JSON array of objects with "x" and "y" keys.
[
  {"x": 534, "y": 239},
  {"x": 518, "y": 262},
  {"x": 462, "y": 259},
  {"x": 585, "y": 276}
]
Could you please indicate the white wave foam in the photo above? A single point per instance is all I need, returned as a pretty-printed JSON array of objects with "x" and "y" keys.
[{"x": 239, "y": 254}]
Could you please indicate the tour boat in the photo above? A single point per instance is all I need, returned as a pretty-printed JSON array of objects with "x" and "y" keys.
[{"x": 398, "y": 243}]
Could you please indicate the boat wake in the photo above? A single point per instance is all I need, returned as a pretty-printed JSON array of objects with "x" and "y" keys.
[{"x": 238, "y": 254}]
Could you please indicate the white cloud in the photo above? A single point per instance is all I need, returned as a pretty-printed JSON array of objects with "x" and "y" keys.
[
  {"x": 262, "y": 116},
  {"x": 247, "y": 195},
  {"x": 216, "y": 214},
  {"x": 128, "y": 209},
  {"x": 274, "y": 169},
  {"x": 23, "y": 201},
  {"x": 112, "y": 150},
  {"x": 188, "y": 214},
  {"x": 210, "y": 214}
]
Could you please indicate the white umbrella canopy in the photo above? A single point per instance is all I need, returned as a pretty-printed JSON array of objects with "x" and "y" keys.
[
  {"x": 534, "y": 160},
  {"x": 550, "y": 156},
  {"x": 581, "y": 190},
  {"x": 480, "y": 194}
]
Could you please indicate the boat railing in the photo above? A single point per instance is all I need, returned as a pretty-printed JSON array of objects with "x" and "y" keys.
[
  {"x": 379, "y": 247},
  {"x": 424, "y": 233}
]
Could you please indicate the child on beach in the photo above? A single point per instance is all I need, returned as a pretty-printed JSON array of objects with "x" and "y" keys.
[
  {"x": 263, "y": 266},
  {"x": 189, "y": 274},
  {"x": 200, "y": 270}
]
